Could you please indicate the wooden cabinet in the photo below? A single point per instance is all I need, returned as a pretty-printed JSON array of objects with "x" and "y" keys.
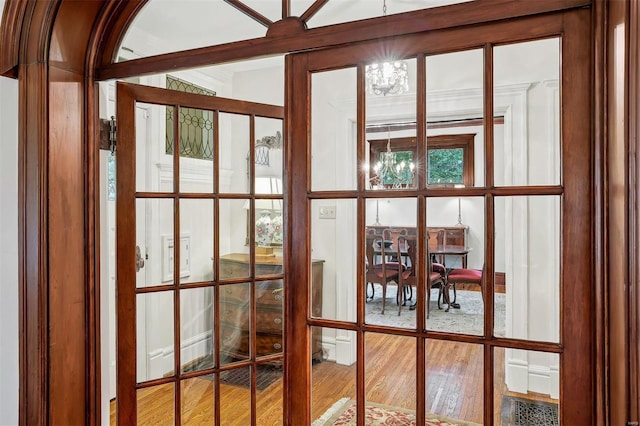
[{"x": 235, "y": 308}]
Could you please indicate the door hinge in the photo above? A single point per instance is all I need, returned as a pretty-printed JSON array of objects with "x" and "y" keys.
[{"x": 108, "y": 134}]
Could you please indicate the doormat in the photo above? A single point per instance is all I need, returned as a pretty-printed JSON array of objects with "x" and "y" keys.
[
  {"x": 267, "y": 375},
  {"x": 343, "y": 413},
  {"x": 526, "y": 412}
]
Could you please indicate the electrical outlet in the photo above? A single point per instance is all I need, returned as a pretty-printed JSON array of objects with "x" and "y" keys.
[{"x": 327, "y": 212}]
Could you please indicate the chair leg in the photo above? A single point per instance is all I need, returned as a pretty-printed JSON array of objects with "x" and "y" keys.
[
  {"x": 384, "y": 295},
  {"x": 373, "y": 292}
]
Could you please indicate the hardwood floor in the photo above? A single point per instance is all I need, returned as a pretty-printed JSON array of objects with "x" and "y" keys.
[{"x": 454, "y": 387}]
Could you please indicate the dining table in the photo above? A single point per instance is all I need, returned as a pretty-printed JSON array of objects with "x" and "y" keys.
[{"x": 437, "y": 253}]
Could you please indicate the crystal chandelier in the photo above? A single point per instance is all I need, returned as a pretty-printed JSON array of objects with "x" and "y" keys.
[
  {"x": 387, "y": 78},
  {"x": 390, "y": 172}
]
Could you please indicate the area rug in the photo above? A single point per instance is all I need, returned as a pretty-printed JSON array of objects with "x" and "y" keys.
[
  {"x": 526, "y": 412},
  {"x": 468, "y": 319},
  {"x": 343, "y": 413},
  {"x": 267, "y": 375}
]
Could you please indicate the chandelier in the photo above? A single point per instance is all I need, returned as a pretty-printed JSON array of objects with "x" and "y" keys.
[
  {"x": 387, "y": 78},
  {"x": 392, "y": 171}
]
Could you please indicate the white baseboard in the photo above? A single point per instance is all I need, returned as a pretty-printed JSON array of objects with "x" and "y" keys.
[
  {"x": 161, "y": 361},
  {"x": 523, "y": 377}
]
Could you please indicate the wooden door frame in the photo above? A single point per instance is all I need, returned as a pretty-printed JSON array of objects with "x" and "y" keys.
[{"x": 55, "y": 48}]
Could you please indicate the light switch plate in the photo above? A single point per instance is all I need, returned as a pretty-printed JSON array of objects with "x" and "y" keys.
[{"x": 327, "y": 212}]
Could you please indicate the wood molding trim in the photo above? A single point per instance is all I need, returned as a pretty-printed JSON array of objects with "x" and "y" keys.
[
  {"x": 633, "y": 62},
  {"x": 12, "y": 18},
  {"x": 615, "y": 216},
  {"x": 57, "y": 338},
  {"x": 599, "y": 23}
]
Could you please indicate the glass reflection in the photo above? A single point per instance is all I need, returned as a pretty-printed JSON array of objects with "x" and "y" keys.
[
  {"x": 391, "y": 262},
  {"x": 526, "y": 387},
  {"x": 454, "y": 383},
  {"x": 234, "y": 308},
  {"x": 527, "y": 279},
  {"x": 155, "y": 405},
  {"x": 456, "y": 255}
]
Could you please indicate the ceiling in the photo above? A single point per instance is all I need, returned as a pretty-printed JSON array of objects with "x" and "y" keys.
[{"x": 164, "y": 26}]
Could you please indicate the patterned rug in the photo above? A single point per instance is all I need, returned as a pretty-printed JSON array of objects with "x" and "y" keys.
[
  {"x": 468, "y": 319},
  {"x": 343, "y": 413}
]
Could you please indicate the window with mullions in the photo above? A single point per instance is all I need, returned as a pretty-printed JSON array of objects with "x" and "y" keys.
[
  {"x": 449, "y": 161},
  {"x": 195, "y": 125}
]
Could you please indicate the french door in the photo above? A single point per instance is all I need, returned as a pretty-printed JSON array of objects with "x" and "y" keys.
[
  {"x": 190, "y": 348},
  {"x": 520, "y": 339}
]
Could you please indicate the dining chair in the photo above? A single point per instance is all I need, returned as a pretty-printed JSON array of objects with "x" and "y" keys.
[
  {"x": 457, "y": 276},
  {"x": 436, "y": 277},
  {"x": 384, "y": 263},
  {"x": 407, "y": 250}
]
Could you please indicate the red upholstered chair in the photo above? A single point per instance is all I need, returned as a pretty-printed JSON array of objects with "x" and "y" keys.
[{"x": 463, "y": 276}]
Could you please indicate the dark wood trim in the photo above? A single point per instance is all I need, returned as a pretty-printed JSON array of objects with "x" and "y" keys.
[
  {"x": 599, "y": 66},
  {"x": 634, "y": 210},
  {"x": 297, "y": 355},
  {"x": 404, "y": 23},
  {"x": 13, "y": 16},
  {"x": 577, "y": 221}
]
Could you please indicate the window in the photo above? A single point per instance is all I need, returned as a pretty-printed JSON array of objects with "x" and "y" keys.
[
  {"x": 195, "y": 126},
  {"x": 449, "y": 160}
]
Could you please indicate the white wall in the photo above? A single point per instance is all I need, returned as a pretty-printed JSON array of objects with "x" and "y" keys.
[{"x": 8, "y": 250}]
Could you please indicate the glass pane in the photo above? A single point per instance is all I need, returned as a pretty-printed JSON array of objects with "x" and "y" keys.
[
  {"x": 333, "y": 136},
  {"x": 269, "y": 317},
  {"x": 333, "y": 388},
  {"x": 268, "y": 156},
  {"x": 394, "y": 389},
  {"x": 154, "y": 237},
  {"x": 154, "y": 330},
  {"x": 391, "y": 262},
  {"x": 193, "y": 24},
  {"x": 198, "y": 400},
  {"x": 527, "y": 113},
  {"x": 235, "y": 137},
  {"x": 454, "y": 383},
  {"x": 196, "y": 329},
  {"x": 527, "y": 280},
  {"x": 235, "y": 396},
  {"x": 196, "y": 240},
  {"x": 234, "y": 238},
  {"x": 155, "y": 405},
  {"x": 456, "y": 253},
  {"x": 391, "y": 124},
  {"x": 269, "y": 233},
  {"x": 333, "y": 245},
  {"x": 455, "y": 107},
  {"x": 196, "y": 144},
  {"x": 526, "y": 387},
  {"x": 154, "y": 163},
  {"x": 235, "y": 309},
  {"x": 269, "y": 394}
]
